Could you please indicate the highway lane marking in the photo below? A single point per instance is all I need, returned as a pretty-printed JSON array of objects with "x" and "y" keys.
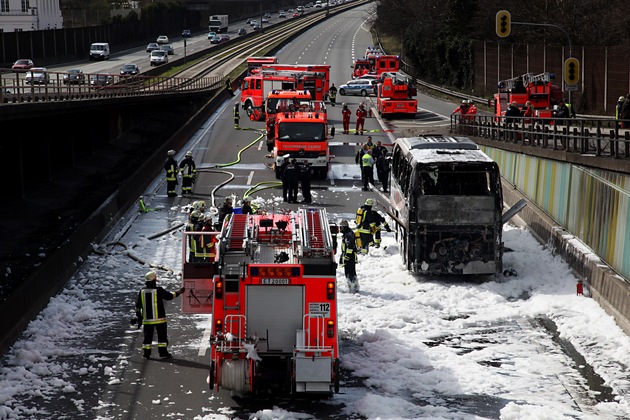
[
  {"x": 250, "y": 177},
  {"x": 205, "y": 339}
]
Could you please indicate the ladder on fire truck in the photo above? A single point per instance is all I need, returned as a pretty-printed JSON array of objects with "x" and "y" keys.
[{"x": 522, "y": 81}]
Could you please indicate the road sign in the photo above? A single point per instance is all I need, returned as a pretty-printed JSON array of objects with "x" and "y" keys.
[{"x": 570, "y": 88}]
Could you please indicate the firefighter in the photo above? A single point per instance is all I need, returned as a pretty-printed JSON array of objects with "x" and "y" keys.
[
  {"x": 224, "y": 210},
  {"x": 291, "y": 174},
  {"x": 462, "y": 109},
  {"x": 471, "y": 112},
  {"x": 332, "y": 94},
  {"x": 383, "y": 167},
  {"x": 367, "y": 169},
  {"x": 345, "y": 114},
  {"x": 618, "y": 108},
  {"x": 207, "y": 251},
  {"x": 361, "y": 114},
  {"x": 246, "y": 208},
  {"x": 152, "y": 316},
  {"x": 195, "y": 224},
  {"x": 171, "y": 174},
  {"x": 188, "y": 169},
  {"x": 369, "y": 223},
  {"x": 237, "y": 115},
  {"x": 348, "y": 257}
]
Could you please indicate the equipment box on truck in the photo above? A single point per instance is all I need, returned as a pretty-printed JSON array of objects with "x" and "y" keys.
[{"x": 99, "y": 51}]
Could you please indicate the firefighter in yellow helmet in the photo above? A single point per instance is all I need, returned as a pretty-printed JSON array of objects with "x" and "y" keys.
[
  {"x": 188, "y": 169},
  {"x": 348, "y": 257},
  {"x": 171, "y": 174},
  {"x": 369, "y": 223},
  {"x": 152, "y": 315}
]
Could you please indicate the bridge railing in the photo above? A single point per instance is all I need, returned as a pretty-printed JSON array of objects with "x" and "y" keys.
[
  {"x": 601, "y": 137},
  {"x": 15, "y": 89}
]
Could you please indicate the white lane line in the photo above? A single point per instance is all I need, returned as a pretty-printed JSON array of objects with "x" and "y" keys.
[
  {"x": 205, "y": 340},
  {"x": 250, "y": 177}
]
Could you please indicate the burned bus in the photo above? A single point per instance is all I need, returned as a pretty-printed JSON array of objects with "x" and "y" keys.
[{"x": 446, "y": 198}]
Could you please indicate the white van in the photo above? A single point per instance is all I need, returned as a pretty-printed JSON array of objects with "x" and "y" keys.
[
  {"x": 99, "y": 51},
  {"x": 318, "y": 3}
]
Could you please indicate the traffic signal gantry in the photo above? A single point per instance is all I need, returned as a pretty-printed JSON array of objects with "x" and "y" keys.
[
  {"x": 571, "y": 71},
  {"x": 504, "y": 23}
]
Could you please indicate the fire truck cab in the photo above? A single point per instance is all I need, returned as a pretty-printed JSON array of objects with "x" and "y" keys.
[
  {"x": 301, "y": 130},
  {"x": 538, "y": 89},
  {"x": 274, "y": 318},
  {"x": 282, "y": 101},
  {"x": 375, "y": 64},
  {"x": 396, "y": 95}
]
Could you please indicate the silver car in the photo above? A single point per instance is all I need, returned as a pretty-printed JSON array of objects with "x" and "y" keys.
[
  {"x": 37, "y": 75},
  {"x": 361, "y": 87}
]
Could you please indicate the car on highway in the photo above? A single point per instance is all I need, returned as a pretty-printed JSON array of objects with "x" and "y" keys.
[
  {"x": 211, "y": 34},
  {"x": 253, "y": 22},
  {"x": 264, "y": 20},
  {"x": 242, "y": 31},
  {"x": 74, "y": 77},
  {"x": 23, "y": 64},
  {"x": 37, "y": 76},
  {"x": 152, "y": 47},
  {"x": 158, "y": 57},
  {"x": 282, "y": 14},
  {"x": 256, "y": 27},
  {"x": 215, "y": 39},
  {"x": 186, "y": 33},
  {"x": 224, "y": 37},
  {"x": 101, "y": 80},
  {"x": 361, "y": 87},
  {"x": 268, "y": 15},
  {"x": 129, "y": 69},
  {"x": 162, "y": 39},
  {"x": 168, "y": 48}
]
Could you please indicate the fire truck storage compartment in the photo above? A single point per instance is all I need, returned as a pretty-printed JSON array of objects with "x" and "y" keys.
[
  {"x": 312, "y": 373},
  {"x": 275, "y": 313}
]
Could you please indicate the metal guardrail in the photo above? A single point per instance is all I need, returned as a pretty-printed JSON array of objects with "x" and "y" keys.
[
  {"x": 601, "y": 137},
  {"x": 16, "y": 90}
]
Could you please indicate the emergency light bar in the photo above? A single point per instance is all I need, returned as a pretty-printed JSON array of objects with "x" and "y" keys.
[{"x": 274, "y": 271}]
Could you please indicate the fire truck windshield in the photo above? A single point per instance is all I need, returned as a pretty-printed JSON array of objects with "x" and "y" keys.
[{"x": 302, "y": 131}]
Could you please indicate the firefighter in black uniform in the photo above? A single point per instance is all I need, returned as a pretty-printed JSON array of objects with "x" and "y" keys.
[
  {"x": 348, "y": 257},
  {"x": 237, "y": 115},
  {"x": 292, "y": 176},
  {"x": 188, "y": 169},
  {"x": 171, "y": 174},
  {"x": 152, "y": 316},
  {"x": 332, "y": 94},
  {"x": 369, "y": 223}
]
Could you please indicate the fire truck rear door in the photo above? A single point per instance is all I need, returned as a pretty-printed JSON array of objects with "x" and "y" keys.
[{"x": 275, "y": 313}]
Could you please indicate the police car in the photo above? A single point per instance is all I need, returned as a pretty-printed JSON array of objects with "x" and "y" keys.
[{"x": 362, "y": 87}]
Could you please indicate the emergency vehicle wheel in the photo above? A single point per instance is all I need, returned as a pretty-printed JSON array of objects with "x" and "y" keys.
[
  {"x": 364, "y": 93},
  {"x": 211, "y": 376}
]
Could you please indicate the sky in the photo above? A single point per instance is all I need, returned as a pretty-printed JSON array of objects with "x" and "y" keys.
[{"x": 421, "y": 348}]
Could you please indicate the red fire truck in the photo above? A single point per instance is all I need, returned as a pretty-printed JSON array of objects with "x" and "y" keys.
[
  {"x": 274, "y": 312},
  {"x": 537, "y": 89},
  {"x": 256, "y": 87},
  {"x": 395, "y": 95},
  {"x": 318, "y": 91},
  {"x": 300, "y": 131},
  {"x": 375, "y": 64},
  {"x": 282, "y": 101}
]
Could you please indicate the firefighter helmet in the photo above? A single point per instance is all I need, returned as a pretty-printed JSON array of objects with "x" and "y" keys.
[
  {"x": 343, "y": 223},
  {"x": 465, "y": 101},
  {"x": 247, "y": 200},
  {"x": 189, "y": 154},
  {"x": 171, "y": 152},
  {"x": 621, "y": 99},
  {"x": 198, "y": 205},
  {"x": 369, "y": 202},
  {"x": 150, "y": 276}
]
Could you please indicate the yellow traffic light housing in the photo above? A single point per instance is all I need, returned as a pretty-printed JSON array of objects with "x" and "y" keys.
[
  {"x": 571, "y": 71},
  {"x": 504, "y": 23}
]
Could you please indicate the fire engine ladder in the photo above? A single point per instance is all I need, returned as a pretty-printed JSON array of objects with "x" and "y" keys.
[
  {"x": 315, "y": 236},
  {"x": 234, "y": 244},
  {"x": 545, "y": 77}
]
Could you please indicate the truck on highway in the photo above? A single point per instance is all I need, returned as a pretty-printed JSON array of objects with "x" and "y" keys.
[
  {"x": 218, "y": 23},
  {"x": 273, "y": 289}
]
